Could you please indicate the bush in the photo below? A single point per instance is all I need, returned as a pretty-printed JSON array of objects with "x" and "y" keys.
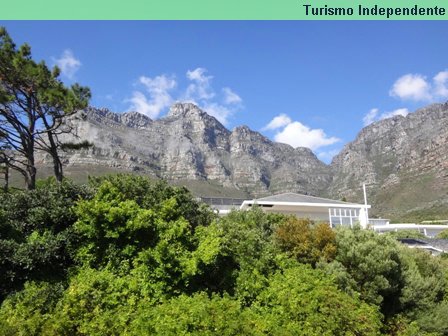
[
  {"x": 306, "y": 241},
  {"x": 197, "y": 315},
  {"x": 303, "y": 301},
  {"x": 443, "y": 234},
  {"x": 37, "y": 233},
  {"x": 26, "y": 312}
]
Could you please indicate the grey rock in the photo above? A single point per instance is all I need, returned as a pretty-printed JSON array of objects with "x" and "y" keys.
[
  {"x": 189, "y": 144},
  {"x": 403, "y": 161}
]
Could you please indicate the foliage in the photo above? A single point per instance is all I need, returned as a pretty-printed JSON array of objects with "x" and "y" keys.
[
  {"x": 248, "y": 253},
  {"x": 149, "y": 194},
  {"x": 387, "y": 274},
  {"x": 406, "y": 234},
  {"x": 373, "y": 262},
  {"x": 131, "y": 256},
  {"x": 443, "y": 234},
  {"x": 306, "y": 241},
  {"x": 143, "y": 227},
  {"x": 434, "y": 319},
  {"x": 97, "y": 302},
  {"x": 33, "y": 104},
  {"x": 425, "y": 281},
  {"x": 402, "y": 326},
  {"x": 303, "y": 301},
  {"x": 297, "y": 301},
  {"x": 197, "y": 315},
  {"x": 36, "y": 233},
  {"x": 26, "y": 312}
]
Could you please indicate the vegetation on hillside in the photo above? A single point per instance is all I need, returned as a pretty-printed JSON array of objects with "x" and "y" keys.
[{"x": 129, "y": 256}]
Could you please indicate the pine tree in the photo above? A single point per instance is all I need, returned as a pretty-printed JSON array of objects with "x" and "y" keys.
[{"x": 33, "y": 105}]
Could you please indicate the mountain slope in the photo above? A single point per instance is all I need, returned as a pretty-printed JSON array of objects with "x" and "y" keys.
[
  {"x": 189, "y": 144},
  {"x": 403, "y": 161}
]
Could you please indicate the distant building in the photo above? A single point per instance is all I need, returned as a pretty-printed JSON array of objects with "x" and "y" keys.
[
  {"x": 429, "y": 230},
  {"x": 334, "y": 212},
  {"x": 433, "y": 246},
  {"x": 316, "y": 208}
]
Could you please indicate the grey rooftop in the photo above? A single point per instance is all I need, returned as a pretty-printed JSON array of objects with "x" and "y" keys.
[{"x": 298, "y": 198}]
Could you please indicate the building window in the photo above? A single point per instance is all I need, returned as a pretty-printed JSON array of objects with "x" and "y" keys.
[{"x": 344, "y": 217}]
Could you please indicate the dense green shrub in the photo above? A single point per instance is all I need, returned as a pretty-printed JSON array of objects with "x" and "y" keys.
[
  {"x": 398, "y": 279},
  {"x": 406, "y": 234},
  {"x": 373, "y": 262},
  {"x": 248, "y": 253},
  {"x": 36, "y": 233},
  {"x": 303, "y": 301},
  {"x": 443, "y": 234},
  {"x": 131, "y": 256},
  {"x": 28, "y": 311},
  {"x": 150, "y": 194},
  {"x": 198, "y": 315},
  {"x": 128, "y": 229}
]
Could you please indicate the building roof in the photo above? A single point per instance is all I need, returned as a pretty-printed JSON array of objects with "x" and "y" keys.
[
  {"x": 437, "y": 243},
  {"x": 433, "y": 244},
  {"x": 299, "y": 198}
]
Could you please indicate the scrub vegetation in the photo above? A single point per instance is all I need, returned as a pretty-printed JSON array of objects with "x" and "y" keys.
[{"x": 125, "y": 255}]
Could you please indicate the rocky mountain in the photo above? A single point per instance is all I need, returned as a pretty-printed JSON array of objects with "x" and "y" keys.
[
  {"x": 403, "y": 160},
  {"x": 189, "y": 144}
]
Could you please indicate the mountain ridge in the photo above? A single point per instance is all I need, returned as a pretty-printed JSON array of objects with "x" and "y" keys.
[
  {"x": 401, "y": 159},
  {"x": 189, "y": 144}
]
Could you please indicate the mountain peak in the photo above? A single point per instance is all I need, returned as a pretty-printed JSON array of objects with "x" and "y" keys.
[
  {"x": 135, "y": 119},
  {"x": 185, "y": 110}
]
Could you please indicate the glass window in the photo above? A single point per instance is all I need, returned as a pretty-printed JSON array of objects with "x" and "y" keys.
[{"x": 343, "y": 216}]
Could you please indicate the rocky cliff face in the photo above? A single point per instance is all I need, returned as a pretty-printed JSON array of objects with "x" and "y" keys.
[
  {"x": 189, "y": 144},
  {"x": 403, "y": 161}
]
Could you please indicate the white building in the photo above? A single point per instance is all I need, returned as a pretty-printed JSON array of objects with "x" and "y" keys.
[
  {"x": 321, "y": 209},
  {"x": 429, "y": 230},
  {"x": 315, "y": 208}
]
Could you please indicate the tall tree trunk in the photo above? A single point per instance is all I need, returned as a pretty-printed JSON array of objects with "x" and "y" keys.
[
  {"x": 6, "y": 175},
  {"x": 30, "y": 178},
  {"x": 53, "y": 150},
  {"x": 31, "y": 171},
  {"x": 57, "y": 167}
]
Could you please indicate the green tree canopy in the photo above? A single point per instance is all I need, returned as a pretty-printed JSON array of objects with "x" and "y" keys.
[{"x": 33, "y": 104}]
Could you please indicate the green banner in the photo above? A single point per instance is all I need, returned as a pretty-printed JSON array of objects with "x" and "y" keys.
[{"x": 224, "y": 10}]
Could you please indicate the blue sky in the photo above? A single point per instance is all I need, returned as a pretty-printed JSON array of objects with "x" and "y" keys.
[{"x": 313, "y": 84}]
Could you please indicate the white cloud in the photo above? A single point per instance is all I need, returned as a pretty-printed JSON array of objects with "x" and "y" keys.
[
  {"x": 201, "y": 93},
  {"x": 417, "y": 88},
  {"x": 159, "y": 97},
  {"x": 373, "y": 115},
  {"x": 278, "y": 122},
  {"x": 296, "y": 134},
  {"x": 402, "y": 112},
  {"x": 68, "y": 64},
  {"x": 370, "y": 117},
  {"x": 140, "y": 103},
  {"x": 220, "y": 112},
  {"x": 412, "y": 87},
  {"x": 231, "y": 97},
  {"x": 200, "y": 89},
  {"x": 198, "y": 75},
  {"x": 441, "y": 84}
]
